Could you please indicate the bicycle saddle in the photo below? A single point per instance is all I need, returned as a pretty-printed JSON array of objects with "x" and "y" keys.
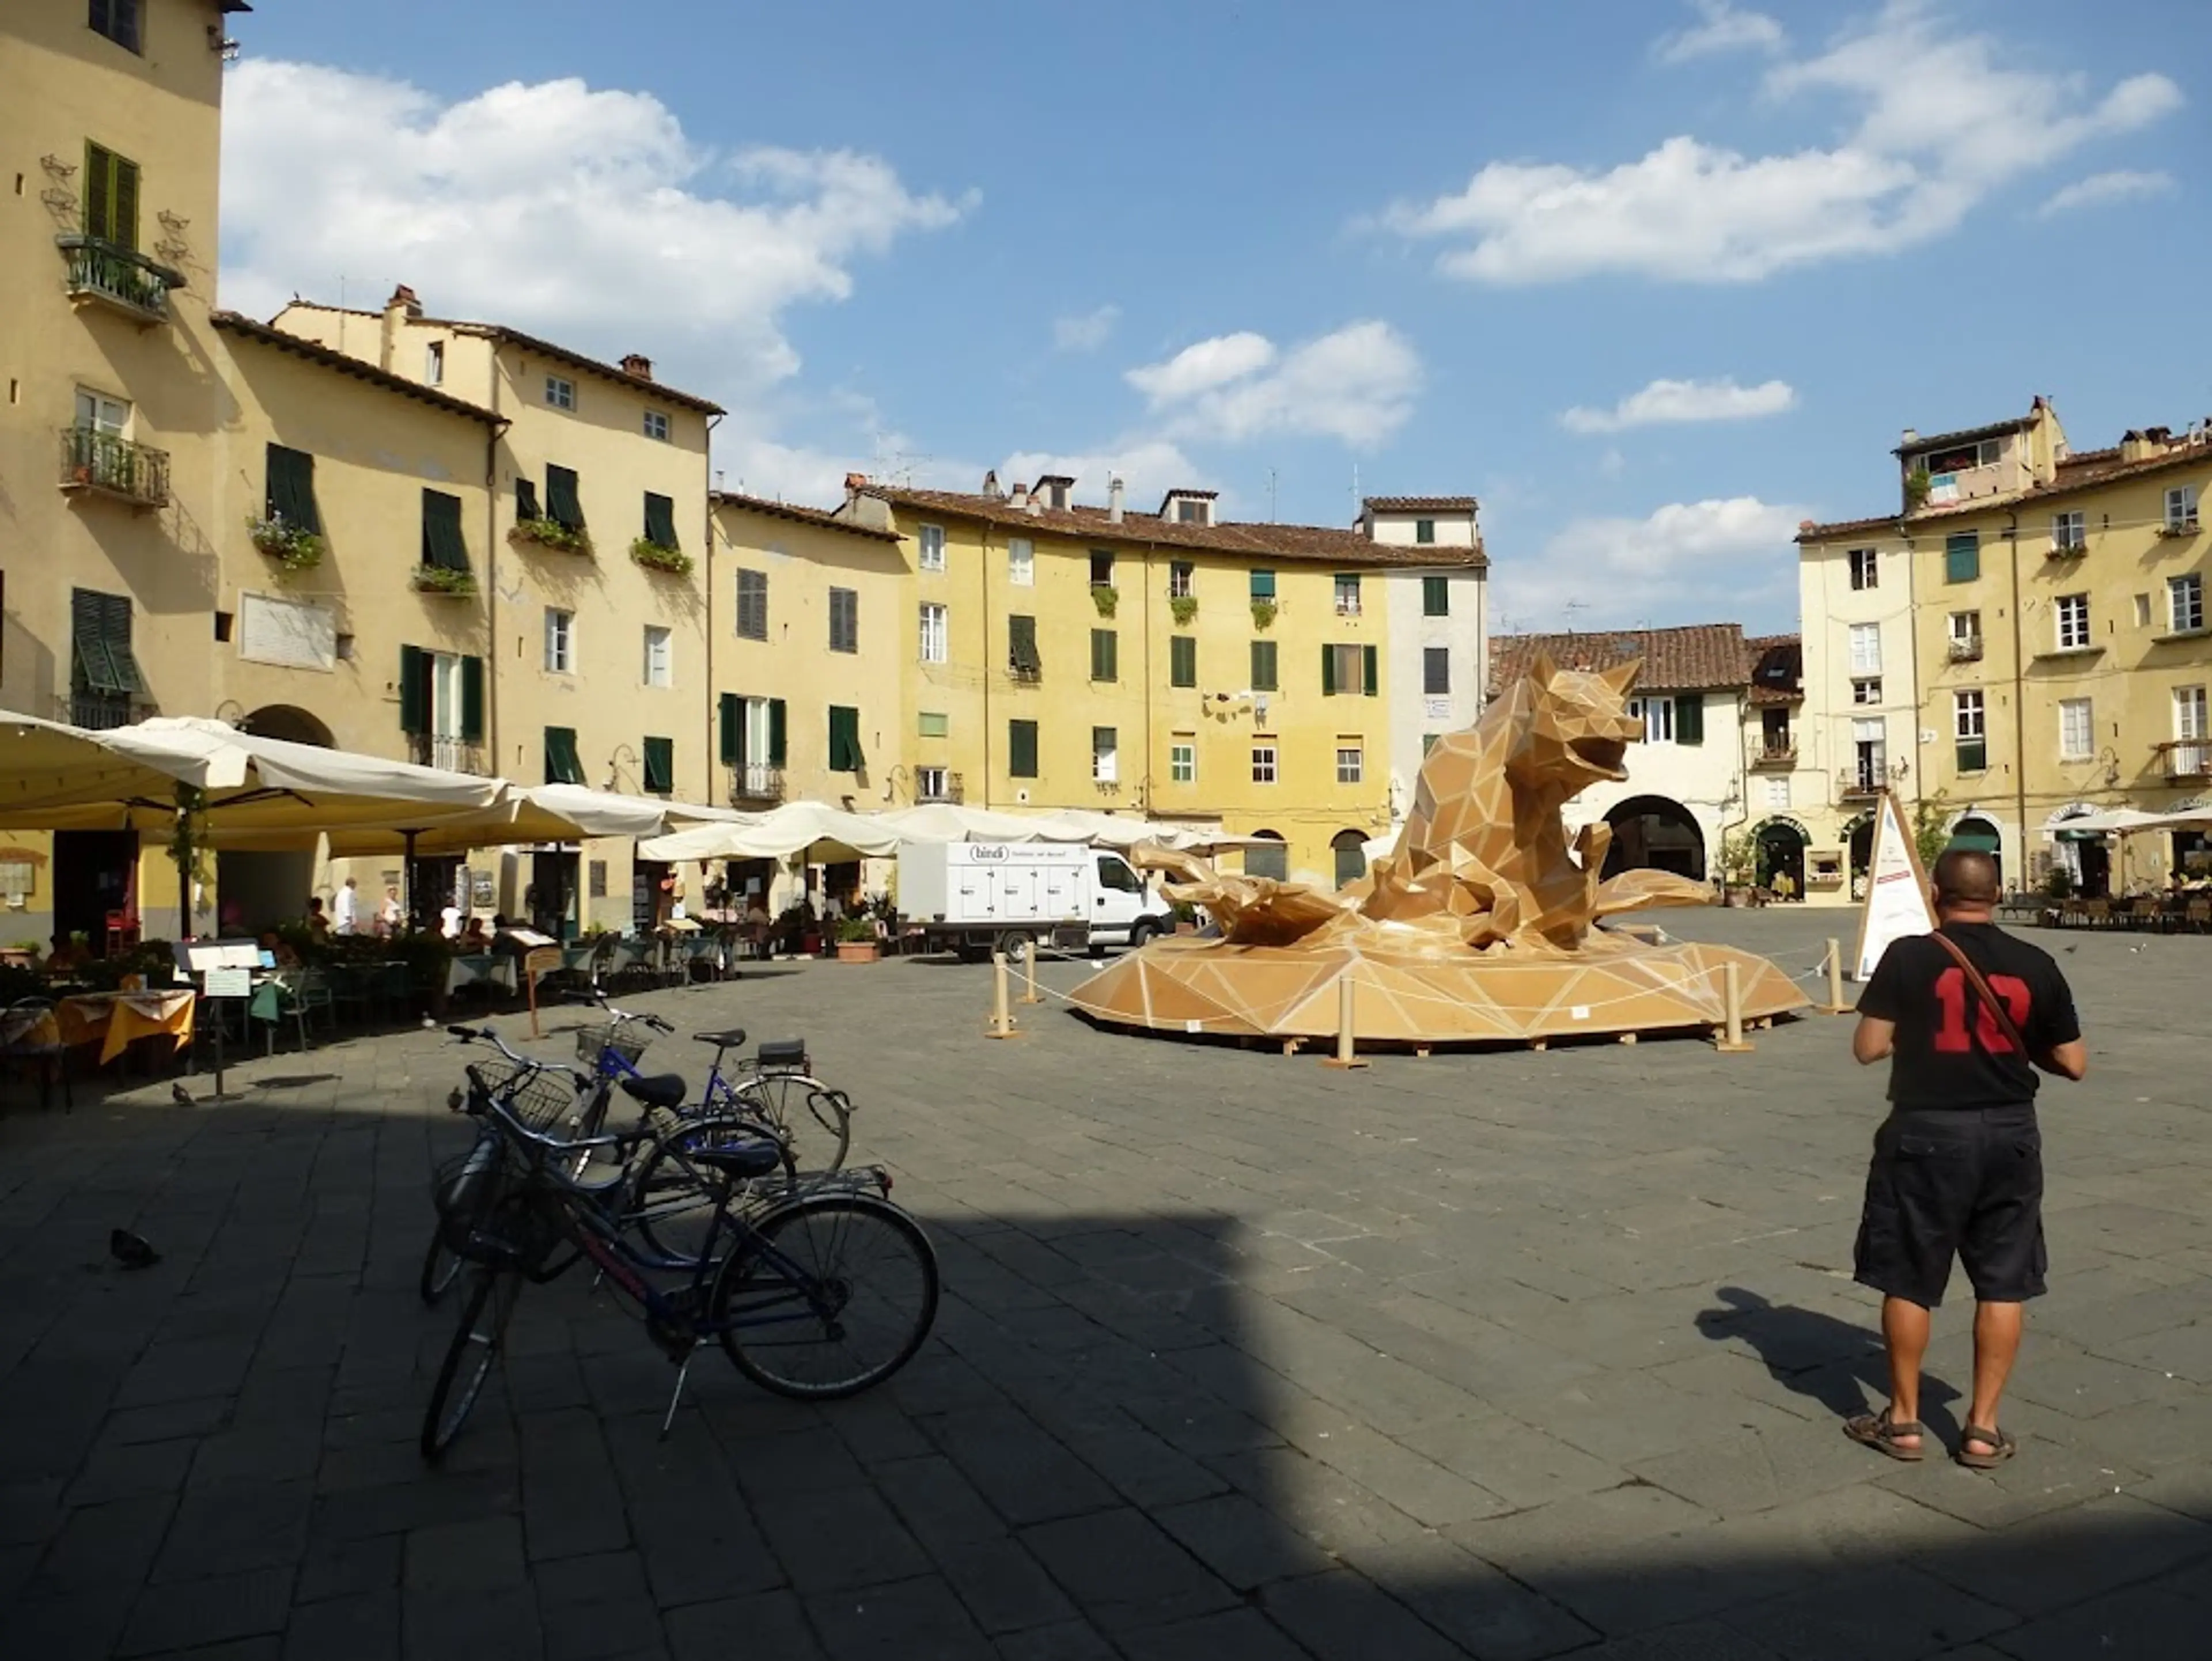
[
  {"x": 739, "y": 1159},
  {"x": 730, "y": 1039},
  {"x": 661, "y": 1090},
  {"x": 789, "y": 1053}
]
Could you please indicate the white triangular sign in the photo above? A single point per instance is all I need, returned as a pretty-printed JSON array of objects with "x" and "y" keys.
[{"x": 1897, "y": 890}]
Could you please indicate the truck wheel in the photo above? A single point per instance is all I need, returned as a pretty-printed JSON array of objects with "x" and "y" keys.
[
  {"x": 1015, "y": 946},
  {"x": 1141, "y": 933}
]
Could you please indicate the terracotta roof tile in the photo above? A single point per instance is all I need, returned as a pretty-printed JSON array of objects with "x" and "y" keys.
[
  {"x": 1782, "y": 655},
  {"x": 232, "y": 323},
  {"x": 1419, "y": 504},
  {"x": 1996, "y": 429},
  {"x": 1693, "y": 658},
  {"x": 2079, "y": 471},
  {"x": 820, "y": 517}
]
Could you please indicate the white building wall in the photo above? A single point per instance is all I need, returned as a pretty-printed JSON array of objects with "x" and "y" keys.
[
  {"x": 1827, "y": 607},
  {"x": 1707, "y": 779},
  {"x": 1465, "y": 634}
]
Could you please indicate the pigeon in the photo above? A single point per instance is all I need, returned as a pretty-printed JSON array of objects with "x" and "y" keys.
[
  {"x": 180, "y": 1096},
  {"x": 131, "y": 1251}
]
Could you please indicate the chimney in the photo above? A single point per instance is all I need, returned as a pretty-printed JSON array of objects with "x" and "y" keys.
[
  {"x": 1055, "y": 491},
  {"x": 2137, "y": 447},
  {"x": 1020, "y": 496},
  {"x": 1113, "y": 500},
  {"x": 855, "y": 484},
  {"x": 991, "y": 491},
  {"x": 636, "y": 363},
  {"x": 399, "y": 311},
  {"x": 1911, "y": 436}
]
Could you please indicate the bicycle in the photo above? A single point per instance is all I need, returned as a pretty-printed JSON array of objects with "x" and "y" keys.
[{"x": 791, "y": 1266}]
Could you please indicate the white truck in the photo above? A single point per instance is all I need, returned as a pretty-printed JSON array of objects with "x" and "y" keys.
[{"x": 1010, "y": 896}]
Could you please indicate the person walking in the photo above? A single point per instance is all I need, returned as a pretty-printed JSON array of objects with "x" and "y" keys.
[
  {"x": 1966, "y": 1017},
  {"x": 348, "y": 919}
]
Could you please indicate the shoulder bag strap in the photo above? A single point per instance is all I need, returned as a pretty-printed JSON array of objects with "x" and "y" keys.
[{"x": 1981, "y": 986}]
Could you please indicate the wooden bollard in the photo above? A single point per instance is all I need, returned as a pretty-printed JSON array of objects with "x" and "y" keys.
[
  {"x": 1344, "y": 1056},
  {"x": 1002, "y": 1017},
  {"x": 1732, "y": 1040},
  {"x": 1835, "y": 1005},
  {"x": 1030, "y": 993}
]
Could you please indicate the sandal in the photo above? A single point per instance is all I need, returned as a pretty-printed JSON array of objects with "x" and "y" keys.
[
  {"x": 2003, "y": 1444},
  {"x": 1878, "y": 1432}
]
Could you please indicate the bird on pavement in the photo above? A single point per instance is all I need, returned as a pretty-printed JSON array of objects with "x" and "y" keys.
[
  {"x": 130, "y": 1250},
  {"x": 180, "y": 1096}
]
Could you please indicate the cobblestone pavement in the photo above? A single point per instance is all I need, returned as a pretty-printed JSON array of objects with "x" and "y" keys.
[{"x": 1511, "y": 1354}]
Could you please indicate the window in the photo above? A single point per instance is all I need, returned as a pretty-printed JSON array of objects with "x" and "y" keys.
[
  {"x": 433, "y": 363},
  {"x": 1105, "y": 759},
  {"x": 1866, "y": 570},
  {"x": 1967, "y": 727},
  {"x": 1348, "y": 595},
  {"x": 844, "y": 619},
  {"x": 1182, "y": 761},
  {"x": 104, "y": 673},
  {"x": 291, "y": 489},
  {"x": 1778, "y": 791},
  {"x": 659, "y": 655},
  {"x": 563, "y": 506},
  {"x": 752, "y": 605},
  {"x": 656, "y": 426},
  {"x": 1436, "y": 671},
  {"x": 1263, "y": 763},
  {"x": 1105, "y": 655},
  {"x": 1179, "y": 576},
  {"x": 934, "y": 649},
  {"x": 2143, "y": 610},
  {"x": 753, "y": 733},
  {"x": 1263, "y": 667},
  {"x": 1340, "y": 671},
  {"x": 2189, "y": 713},
  {"x": 2181, "y": 507},
  {"x": 2072, "y": 611},
  {"x": 1436, "y": 597},
  {"x": 1263, "y": 586},
  {"x": 560, "y": 394},
  {"x": 1867, "y": 690},
  {"x": 1866, "y": 648},
  {"x": 97, "y": 413},
  {"x": 1190, "y": 512},
  {"x": 929, "y": 547},
  {"x": 659, "y": 768},
  {"x": 1021, "y": 749},
  {"x": 1182, "y": 660},
  {"x": 1870, "y": 745},
  {"x": 1272, "y": 861},
  {"x": 525, "y": 501},
  {"x": 1657, "y": 715},
  {"x": 1022, "y": 660},
  {"x": 1424, "y": 531},
  {"x": 1101, "y": 568},
  {"x": 1350, "y": 763},
  {"x": 1962, "y": 557},
  {"x": 1690, "y": 718},
  {"x": 560, "y": 641},
  {"x": 119, "y": 20},
  {"x": 111, "y": 197},
  {"x": 2077, "y": 739},
  {"x": 661, "y": 521},
  {"x": 1429, "y": 742},
  {"x": 1021, "y": 562},
  {"x": 2185, "y": 603},
  {"x": 934, "y": 724},
  {"x": 845, "y": 740},
  {"x": 442, "y": 704},
  {"x": 444, "y": 548},
  {"x": 930, "y": 785},
  {"x": 1966, "y": 627},
  {"x": 562, "y": 764},
  {"x": 2069, "y": 533}
]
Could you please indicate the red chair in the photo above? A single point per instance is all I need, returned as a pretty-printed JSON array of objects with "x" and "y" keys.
[{"x": 122, "y": 933}]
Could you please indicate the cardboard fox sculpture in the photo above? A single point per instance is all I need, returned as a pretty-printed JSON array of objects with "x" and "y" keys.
[{"x": 1483, "y": 925}]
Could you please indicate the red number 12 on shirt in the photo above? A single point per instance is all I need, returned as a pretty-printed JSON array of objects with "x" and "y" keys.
[{"x": 1951, "y": 994}]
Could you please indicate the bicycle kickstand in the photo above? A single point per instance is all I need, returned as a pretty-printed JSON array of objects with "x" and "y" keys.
[{"x": 675, "y": 1395}]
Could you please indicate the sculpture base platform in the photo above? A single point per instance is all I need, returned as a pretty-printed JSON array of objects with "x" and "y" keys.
[{"x": 1424, "y": 999}]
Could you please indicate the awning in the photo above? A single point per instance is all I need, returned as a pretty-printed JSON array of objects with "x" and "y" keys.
[
  {"x": 1975, "y": 841},
  {"x": 824, "y": 835}
]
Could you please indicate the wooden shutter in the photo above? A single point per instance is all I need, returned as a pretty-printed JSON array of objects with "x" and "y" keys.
[
  {"x": 123, "y": 213},
  {"x": 1263, "y": 666},
  {"x": 414, "y": 690},
  {"x": 1105, "y": 655},
  {"x": 660, "y": 521},
  {"x": 525, "y": 501},
  {"x": 844, "y": 739},
  {"x": 1021, "y": 645},
  {"x": 562, "y": 764},
  {"x": 1370, "y": 670},
  {"x": 1022, "y": 749},
  {"x": 732, "y": 730},
  {"x": 1263, "y": 585},
  {"x": 1690, "y": 719},
  {"x": 775, "y": 732},
  {"x": 562, "y": 505},
  {"x": 291, "y": 478},
  {"x": 1436, "y": 597},
  {"x": 472, "y": 698},
  {"x": 99, "y": 192},
  {"x": 660, "y": 766},
  {"x": 1182, "y": 660},
  {"x": 1328, "y": 672},
  {"x": 100, "y": 626},
  {"x": 442, "y": 542}
]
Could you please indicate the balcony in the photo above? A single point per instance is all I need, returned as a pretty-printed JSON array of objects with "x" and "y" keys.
[
  {"x": 1966, "y": 649},
  {"x": 934, "y": 784},
  {"x": 755, "y": 785},
  {"x": 2187, "y": 527},
  {"x": 2184, "y": 758},
  {"x": 104, "y": 464},
  {"x": 102, "y": 712},
  {"x": 1775, "y": 753},
  {"x": 438, "y": 749},
  {"x": 2069, "y": 548},
  {"x": 1861, "y": 784},
  {"x": 122, "y": 279}
]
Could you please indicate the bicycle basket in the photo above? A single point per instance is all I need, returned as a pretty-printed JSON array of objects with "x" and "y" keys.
[
  {"x": 541, "y": 1098},
  {"x": 627, "y": 1040}
]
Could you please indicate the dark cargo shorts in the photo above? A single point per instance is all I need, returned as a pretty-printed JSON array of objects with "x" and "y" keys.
[{"x": 1962, "y": 1181}]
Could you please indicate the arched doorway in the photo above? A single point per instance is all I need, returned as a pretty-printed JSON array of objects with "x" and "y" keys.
[
  {"x": 1654, "y": 832},
  {"x": 1350, "y": 848},
  {"x": 1973, "y": 830},
  {"x": 1274, "y": 860},
  {"x": 289, "y": 723},
  {"x": 1858, "y": 840},
  {"x": 2085, "y": 857},
  {"x": 254, "y": 892},
  {"x": 1778, "y": 848}
]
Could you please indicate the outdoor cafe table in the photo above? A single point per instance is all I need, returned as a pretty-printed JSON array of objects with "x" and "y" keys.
[
  {"x": 475, "y": 968},
  {"x": 118, "y": 1019}
]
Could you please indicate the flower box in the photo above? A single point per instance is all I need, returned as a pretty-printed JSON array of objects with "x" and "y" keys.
[
  {"x": 294, "y": 548},
  {"x": 673, "y": 562},
  {"x": 442, "y": 580},
  {"x": 553, "y": 534}
]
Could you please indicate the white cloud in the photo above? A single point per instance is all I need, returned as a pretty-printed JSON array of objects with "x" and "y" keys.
[
  {"x": 1725, "y": 29},
  {"x": 2099, "y": 189},
  {"x": 1147, "y": 467},
  {"x": 1086, "y": 331},
  {"x": 1941, "y": 123},
  {"x": 1684, "y": 562},
  {"x": 1669, "y": 402},
  {"x": 1357, "y": 384},
  {"x": 584, "y": 215}
]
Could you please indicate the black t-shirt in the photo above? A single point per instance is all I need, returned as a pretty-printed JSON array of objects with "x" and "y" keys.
[{"x": 1950, "y": 1051}]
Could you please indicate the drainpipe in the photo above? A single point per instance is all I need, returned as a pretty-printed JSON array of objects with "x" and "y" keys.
[
  {"x": 1145, "y": 778},
  {"x": 491, "y": 579},
  {"x": 2019, "y": 705},
  {"x": 712, "y": 754},
  {"x": 983, "y": 589}
]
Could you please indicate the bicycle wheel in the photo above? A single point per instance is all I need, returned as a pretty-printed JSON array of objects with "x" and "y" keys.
[
  {"x": 672, "y": 1209},
  {"x": 469, "y": 1358},
  {"x": 816, "y": 1119},
  {"x": 829, "y": 1296},
  {"x": 441, "y": 1267}
]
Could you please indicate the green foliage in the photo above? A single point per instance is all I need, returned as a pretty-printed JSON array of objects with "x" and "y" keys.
[
  {"x": 1931, "y": 836},
  {"x": 1183, "y": 608},
  {"x": 551, "y": 533},
  {"x": 2058, "y": 882},
  {"x": 1737, "y": 858},
  {"x": 856, "y": 930},
  {"x": 443, "y": 580},
  {"x": 294, "y": 548},
  {"x": 1917, "y": 485},
  {"x": 428, "y": 956},
  {"x": 1263, "y": 614},
  {"x": 654, "y": 557},
  {"x": 1105, "y": 598},
  {"x": 17, "y": 982}
]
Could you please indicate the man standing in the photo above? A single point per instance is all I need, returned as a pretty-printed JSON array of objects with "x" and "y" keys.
[
  {"x": 348, "y": 919},
  {"x": 1965, "y": 1016}
]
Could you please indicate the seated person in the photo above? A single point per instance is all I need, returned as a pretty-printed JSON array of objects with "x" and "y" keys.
[
  {"x": 318, "y": 924},
  {"x": 66, "y": 956},
  {"x": 473, "y": 937},
  {"x": 279, "y": 948}
]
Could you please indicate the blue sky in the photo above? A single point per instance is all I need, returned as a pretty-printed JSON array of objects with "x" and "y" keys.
[{"x": 1653, "y": 280}]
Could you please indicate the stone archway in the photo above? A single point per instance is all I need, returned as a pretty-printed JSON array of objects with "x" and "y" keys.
[
  {"x": 1655, "y": 832},
  {"x": 1350, "y": 849},
  {"x": 1274, "y": 860},
  {"x": 1778, "y": 850},
  {"x": 255, "y": 892},
  {"x": 1979, "y": 831},
  {"x": 290, "y": 722}
]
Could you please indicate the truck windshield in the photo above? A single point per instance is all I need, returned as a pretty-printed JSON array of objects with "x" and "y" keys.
[{"x": 1114, "y": 874}]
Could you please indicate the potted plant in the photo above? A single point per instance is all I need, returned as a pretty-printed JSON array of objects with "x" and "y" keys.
[
  {"x": 444, "y": 579},
  {"x": 551, "y": 533},
  {"x": 654, "y": 557},
  {"x": 1183, "y": 608},
  {"x": 1917, "y": 485},
  {"x": 1263, "y": 614},
  {"x": 294, "y": 548},
  {"x": 1185, "y": 917},
  {"x": 856, "y": 941},
  {"x": 1736, "y": 861},
  {"x": 1105, "y": 598}
]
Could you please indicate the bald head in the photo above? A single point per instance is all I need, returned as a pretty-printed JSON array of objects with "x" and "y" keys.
[{"x": 1966, "y": 877}]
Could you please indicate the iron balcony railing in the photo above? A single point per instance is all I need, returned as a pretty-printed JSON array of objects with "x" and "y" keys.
[
  {"x": 438, "y": 749},
  {"x": 756, "y": 782},
  {"x": 2185, "y": 758},
  {"x": 111, "y": 465},
  {"x": 1772, "y": 753},
  {"x": 1863, "y": 781},
  {"x": 102, "y": 712},
  {"x": 119, "y": 276},
  {"x": 1966, "y": 649}
]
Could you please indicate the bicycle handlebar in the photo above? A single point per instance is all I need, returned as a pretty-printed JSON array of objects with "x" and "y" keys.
[{"x": 598, "y": 999}]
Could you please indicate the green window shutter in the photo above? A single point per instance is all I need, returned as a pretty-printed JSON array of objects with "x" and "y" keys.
[
  {"x": 776, "y": 728},
  {"x": 562, "y": 766},
  {"x": 472, "y": 700},
  {"x": 1424, "y": 530},
  {"x": 124, "y": 233},
  {"x": 1182, "y": 660},
  {"x": 1370, "y": 669},
  {"x": 660, "y": 521},
  {"x": 100, "y": 624},
  {"x": 443, "y": 545},
  {"x": 525, "y": 501},
  {"x": 1328, "y": 672},
  {"x": 291, "y": 495},
  {"x": 660, "y": 766},
  {"x": 1105, "y": 655},
  {"x": 1962, "y": 557},
  {"x": 1022, "y": 646},
  {"x": 414, "y": 690},
  {"x": 1690, "y": 719},
  {"x": 1263, "y": 585},
  {"x": 734, "y": 731},
  {"x": 1436, "y": 597},
  {"x": 1263, "y": 666},
  {"x": 1429, "y": 742},
  {"x": 1022, "y": 749},
  {"x": 99, "y": 192},
  {"x": 845, "y": 739},
  {"x": 562, "y": 505}
]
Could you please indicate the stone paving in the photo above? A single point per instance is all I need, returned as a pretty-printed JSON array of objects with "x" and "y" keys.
[{"x": 1512, "y": 1356}]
